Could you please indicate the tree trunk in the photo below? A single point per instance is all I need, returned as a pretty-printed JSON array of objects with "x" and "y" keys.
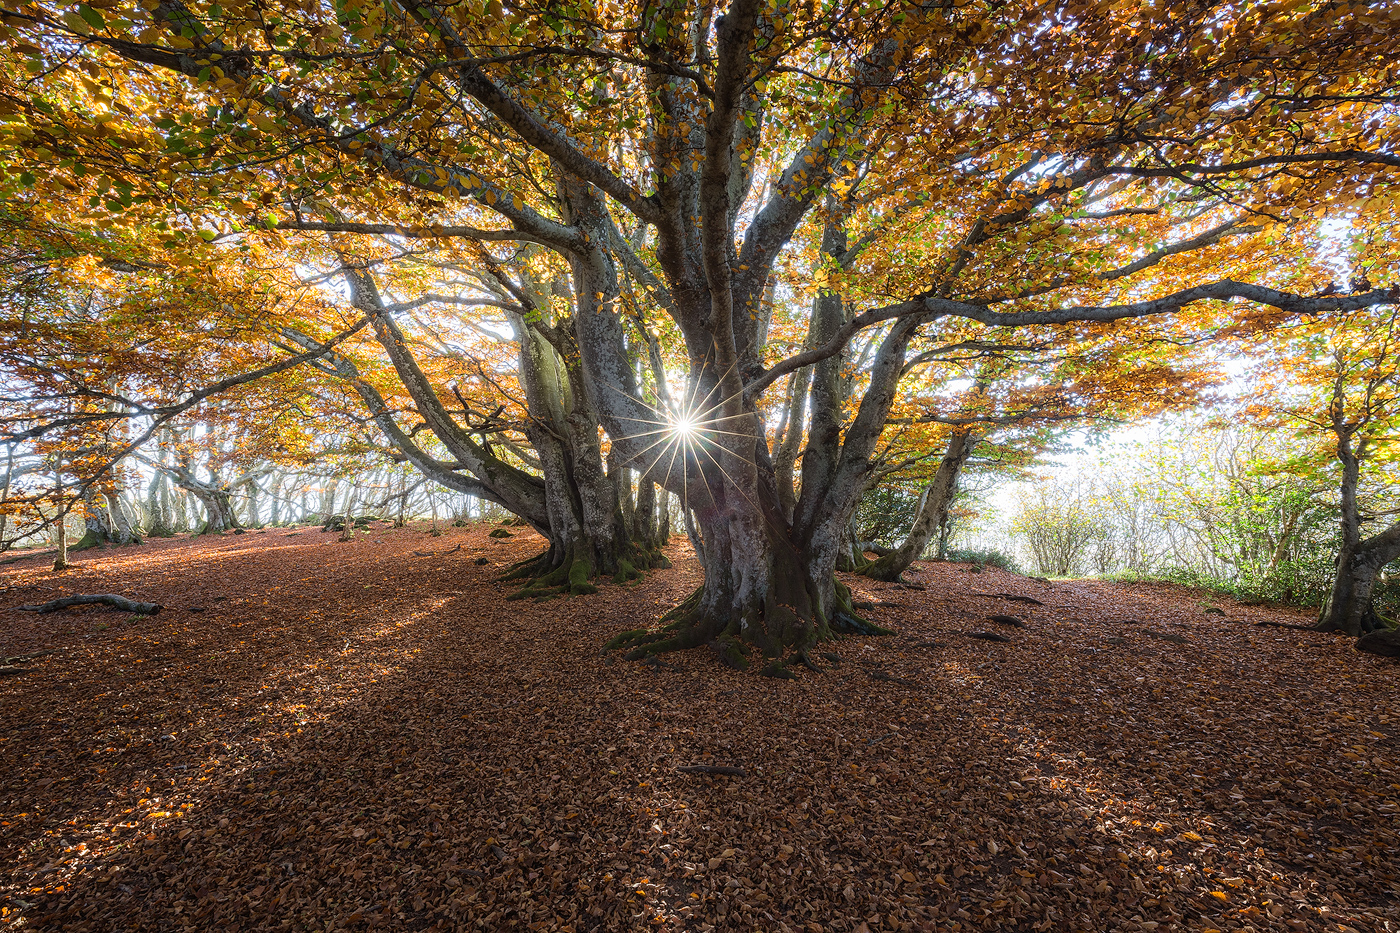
[
  {"x": 105, "y": 519},
  {"x": 97, "y": 522},
  {"x": 663, "y": 520},
  {"x": 218, "y": 508},
  {"x": 5, "y": 495},
  {"x": 60, "y": 541},
  {"x": 328, "y": 500},
  {"x": 180, "y": 508},
  {"x": 274, "y": 492},
  {"x": 1348, "y": 607},
  {"x": 347, "y": 527},
  {"x": 764, "y": 588},
  {"x": 253, "y": 509},
  {"x": 932, "y": 513},
  {"x": 851, "y": 558},
  {"x": 125, "y": 530},
  {"x": 160, "y": 515}
]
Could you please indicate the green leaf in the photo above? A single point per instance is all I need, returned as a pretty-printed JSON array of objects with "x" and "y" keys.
[{"x": 93, "y": 18}]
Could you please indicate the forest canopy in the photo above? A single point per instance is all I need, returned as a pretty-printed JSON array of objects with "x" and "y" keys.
[{"x": 583, "y": 260}]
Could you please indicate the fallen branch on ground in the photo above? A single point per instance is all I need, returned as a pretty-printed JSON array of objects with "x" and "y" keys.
[{"x": 107, "y": 599}]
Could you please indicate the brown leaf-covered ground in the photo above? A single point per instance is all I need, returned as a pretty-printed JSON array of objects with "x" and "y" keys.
[{"x": 347, "y": 736}]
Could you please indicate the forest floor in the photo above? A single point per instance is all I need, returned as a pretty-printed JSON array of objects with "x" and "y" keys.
[{"x": 318, "y": 735}]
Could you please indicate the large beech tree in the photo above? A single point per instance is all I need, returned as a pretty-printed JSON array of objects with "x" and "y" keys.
[
  {"x": 562, "y": 486},
  {"x": 1001, "y": 165}
]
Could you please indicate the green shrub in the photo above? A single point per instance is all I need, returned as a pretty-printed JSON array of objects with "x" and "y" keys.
[{"x": 985, "y": 557}]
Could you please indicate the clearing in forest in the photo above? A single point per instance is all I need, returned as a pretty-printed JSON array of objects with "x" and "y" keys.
[{"x": 316, "y": 735}]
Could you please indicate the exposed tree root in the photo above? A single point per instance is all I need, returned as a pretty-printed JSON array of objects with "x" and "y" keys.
[
  {"x": 1370, "y": 621},
  {"x": 89, "y": 540},
  {"x": 529, "y": 567},
  {"x": 883, "y": 568},
  {"x": 569, "y": 578},
  {"x": 782, "y": 635},
  {"x": 572, "y": 575},
  {"x": 846, "y": 621}
]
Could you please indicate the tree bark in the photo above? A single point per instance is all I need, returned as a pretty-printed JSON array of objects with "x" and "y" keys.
[{"x": 1349, "y": 607}]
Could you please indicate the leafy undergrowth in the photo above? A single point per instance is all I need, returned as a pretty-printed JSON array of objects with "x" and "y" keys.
[{"x": 350, "y": 737}]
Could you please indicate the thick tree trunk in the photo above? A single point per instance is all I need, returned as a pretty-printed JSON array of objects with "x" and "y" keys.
[
  {"x": 763, "y": 588},
  {"x": 1349, "y": 608},
  {"x": 932, "y": 512},
  {"x": 274, "y": 492},
  {"x": 105, "y": 519},
  {"x": 849, "y": 557},
  {"x": 124, "y": 528},
  {"x": 97, "y": 522},
  {"x": 218, "y": 509},
  {"x": 253, "y": 509}
]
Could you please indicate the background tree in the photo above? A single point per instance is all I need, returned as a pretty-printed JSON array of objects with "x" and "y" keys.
[{"x": 1343, "y": 388}]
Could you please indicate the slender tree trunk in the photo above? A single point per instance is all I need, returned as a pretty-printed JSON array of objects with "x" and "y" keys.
[
  {"x": 347, "y": 528},
  {"x": 692, "y": 532},
  {"x": 60, "y": 541},
  {"x": 5, "y": 495},
  {"x": 945, "y": 534},
  {"x": 932, "y": 512},
  {"x": 60, "y": 537},
  {"x": 794, "y": 418},
  {"x": 1349, "y": 607},
  {"x": 663, "y": 520}
]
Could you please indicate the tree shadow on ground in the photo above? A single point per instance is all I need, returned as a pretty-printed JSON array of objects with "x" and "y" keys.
[{"x": 388, "y": 743}]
